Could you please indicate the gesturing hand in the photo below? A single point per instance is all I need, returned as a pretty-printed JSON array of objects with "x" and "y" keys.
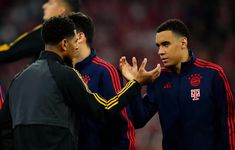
[{"x": 131, "y": 72}]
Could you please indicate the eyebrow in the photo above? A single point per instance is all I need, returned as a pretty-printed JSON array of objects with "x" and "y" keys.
[
  {"x": 162, "y": 43},
  {"x": 165, "y": 43}
]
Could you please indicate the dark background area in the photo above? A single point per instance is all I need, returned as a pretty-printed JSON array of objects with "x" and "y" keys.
[{"x": 127, "y": 27}]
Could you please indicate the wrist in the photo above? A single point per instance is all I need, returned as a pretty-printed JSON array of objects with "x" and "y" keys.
[{"x": 138, "y": 82}]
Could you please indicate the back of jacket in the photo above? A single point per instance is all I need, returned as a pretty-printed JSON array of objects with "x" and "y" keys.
[
  {"x": 36, "y": 99},
  {"x": 38, "y": 108}
]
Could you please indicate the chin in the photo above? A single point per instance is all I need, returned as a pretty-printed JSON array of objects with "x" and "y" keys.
[
  {"x": 45, "y": 18},
  {"x": 166, "y": 65}
]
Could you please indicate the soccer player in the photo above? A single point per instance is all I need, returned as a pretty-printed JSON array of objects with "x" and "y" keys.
[
  {"x": 193, "y": 96},
  {"x": 103, "y": 78},
  {"x": 45, "y": 96},
  {"x": 30, "y": 43}
]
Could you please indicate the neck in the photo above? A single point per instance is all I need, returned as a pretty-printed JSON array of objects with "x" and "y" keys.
[
  {"x": 185, "y": 57},
  {"x": 54, "y": 49},
  {"x": 83, "y": 53}
]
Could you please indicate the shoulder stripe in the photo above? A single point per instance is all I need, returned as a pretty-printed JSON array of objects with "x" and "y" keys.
[
  {"x": 217, "y": 68},
  {"x": 116, "y": 75},
  {"x": 112, "y": 71},
  {"x": 230, "y": 99}
]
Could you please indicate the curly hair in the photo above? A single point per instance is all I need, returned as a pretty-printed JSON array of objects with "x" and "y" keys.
[{"x": 56, "y": 29}]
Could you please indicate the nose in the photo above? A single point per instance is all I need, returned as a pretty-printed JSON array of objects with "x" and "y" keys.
[
  {"x": 161, "y": 50},
  {"x": 44, "y": 6}
]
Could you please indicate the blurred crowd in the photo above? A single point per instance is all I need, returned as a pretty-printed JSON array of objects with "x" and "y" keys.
[{"x": 127, "y": 27}]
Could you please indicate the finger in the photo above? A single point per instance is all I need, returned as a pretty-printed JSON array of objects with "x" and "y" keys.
[
  {"x": 143, "y": 64},
  {"x": 122, "y": 58},
  {"x": 134, "y": 62},
  {"x": 156, "y": 71},
  {"x": 122, "y": 61}
]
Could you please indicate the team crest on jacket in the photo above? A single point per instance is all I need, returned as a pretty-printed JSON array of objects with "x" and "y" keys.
[
  {"x": 86, "y": 78},
  {"x": 195, "y": 94},
  {"x": 195, "y": 79}
]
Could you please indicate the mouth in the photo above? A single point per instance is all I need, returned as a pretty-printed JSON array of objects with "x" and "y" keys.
[{"x": 164, "y": 60}]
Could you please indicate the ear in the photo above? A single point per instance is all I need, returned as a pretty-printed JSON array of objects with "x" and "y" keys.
[
  {"x": 64, "y": 44},
  {"x": 62, "y": 11},
  {"x": 81, "y": 37},
  {"x": 184, "y": 42}
]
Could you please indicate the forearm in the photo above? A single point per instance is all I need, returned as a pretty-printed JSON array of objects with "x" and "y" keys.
[{"x": 100, "y": 108}]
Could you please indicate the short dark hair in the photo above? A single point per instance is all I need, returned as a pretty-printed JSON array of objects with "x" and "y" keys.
[
  {"x": 56, "y": 29},
  {"x": 83, "y": 24},
  {"x": 176, "y": 26},
  {"x": 73, "y": 4}
]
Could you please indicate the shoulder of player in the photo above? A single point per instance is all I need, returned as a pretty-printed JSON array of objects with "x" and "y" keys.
[
  {"x": 61, "y": 71},
  {"x": 104, "y": 66},
  {"x": 208, "y": 65}
]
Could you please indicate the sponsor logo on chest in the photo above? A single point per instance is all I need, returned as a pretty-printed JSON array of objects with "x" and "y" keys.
[
  {"x": 195, "y": 81},
  {"x": 195, "y": 94}
]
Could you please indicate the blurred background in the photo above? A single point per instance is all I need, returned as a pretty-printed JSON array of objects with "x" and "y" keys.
[{"x": 127, "y": 27}]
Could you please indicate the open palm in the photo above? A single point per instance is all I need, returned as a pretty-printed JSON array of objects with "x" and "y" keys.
[{"x": 131, "y": 72}]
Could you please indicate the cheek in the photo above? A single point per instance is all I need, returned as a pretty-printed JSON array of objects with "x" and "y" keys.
[
  {"x": 53, "y": 10},
  {"x": 75, "y": 45},
  {"x": 173, "y": 53}
]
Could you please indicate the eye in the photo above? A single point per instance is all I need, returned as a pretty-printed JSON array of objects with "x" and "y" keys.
[{"x": 166, "y": 44}]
